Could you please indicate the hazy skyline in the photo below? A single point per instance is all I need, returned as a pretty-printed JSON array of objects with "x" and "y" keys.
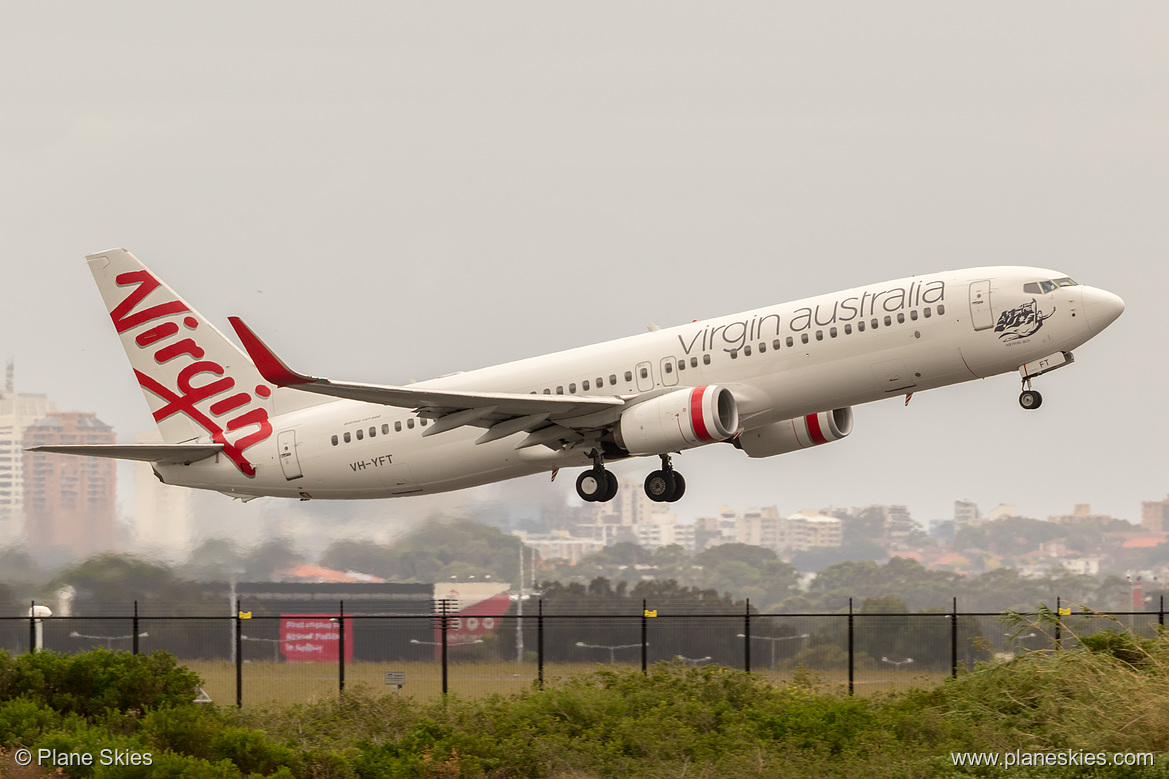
[{"x": 393, "y": 191}]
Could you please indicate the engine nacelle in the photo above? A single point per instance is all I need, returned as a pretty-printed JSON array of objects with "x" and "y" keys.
[
  {"x": 799, "y": 433},
  {"x": 681, "y": 419}
]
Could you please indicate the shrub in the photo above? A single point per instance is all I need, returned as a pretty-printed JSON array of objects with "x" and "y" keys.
[
  {"x": 1124, "y": 646},
  {"x": 91, "y": 683},
  {"x": 188, "y": 730},
  {"x": 22, "y": 721},
  {"x": 251, "y": 751}
]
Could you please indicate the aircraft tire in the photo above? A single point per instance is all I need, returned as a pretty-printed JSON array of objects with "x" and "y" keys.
[
  {"x": 679, "y": 488},
  {"x": 1030, "y": 400},
  {"x": 659, "y": 486},
  {"x": 611, "y": 487},
  {"x": 592, "y": 485}
]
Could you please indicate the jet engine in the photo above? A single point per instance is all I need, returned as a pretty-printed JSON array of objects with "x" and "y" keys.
[
  {"x": 799, "y": 433},
  {"x": 680, "y": 419}
]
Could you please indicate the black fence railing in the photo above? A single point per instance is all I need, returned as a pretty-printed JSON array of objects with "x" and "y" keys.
[{"x": 294, "y": 657}]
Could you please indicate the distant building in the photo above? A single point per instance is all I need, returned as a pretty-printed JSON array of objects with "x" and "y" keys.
[
  {"x": 812, "y": 530},
  {"x": 1155, "y": 515},
  {"x": 966, "y": 514},
  {"x": 69, "y": 501},
  {"x": 1082, "y": 566},
  {"x": 316, "y": 574},
  {"x": 760, "y": 527},
  {"x": 896, "y": 523},
  {"x": 164, "y": 514},
  {"x": 561, "y": 545},
  {"x": 1081, "y": 513},
  {"x": 1003, "y": 511},
  {"x": 606, "y": 532},
  {"x": 720, "y": 529},
  {"x": 631, "y": 506},
  {"x": 17, "y": 412},
  {"x": 657, "y": 531}
]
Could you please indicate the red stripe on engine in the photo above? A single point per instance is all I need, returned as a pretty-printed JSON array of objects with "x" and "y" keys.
[
  {"x": 814, "y": 431},
  {"x": 696, "y": 419}
]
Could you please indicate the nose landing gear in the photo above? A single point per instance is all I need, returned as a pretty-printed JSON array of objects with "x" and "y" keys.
[
  {"x": 665, "y": 485},
  {"x": 1030, "y": 399}
]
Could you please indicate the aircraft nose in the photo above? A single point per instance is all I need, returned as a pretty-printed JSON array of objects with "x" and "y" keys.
[{"x": 1102, "y": 308}]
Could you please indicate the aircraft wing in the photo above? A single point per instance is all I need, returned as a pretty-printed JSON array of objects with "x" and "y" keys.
[
  {"x": 500, "y": 411},
  {"x": 148, "y": 453}
]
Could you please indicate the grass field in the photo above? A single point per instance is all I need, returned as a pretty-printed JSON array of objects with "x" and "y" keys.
[{"x": 268, "y": 683}]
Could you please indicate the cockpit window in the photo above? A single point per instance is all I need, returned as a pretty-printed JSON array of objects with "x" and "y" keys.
[{"x": 1043, "y": 287}]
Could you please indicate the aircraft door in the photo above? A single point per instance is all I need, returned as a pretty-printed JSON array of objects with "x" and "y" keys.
[
  {"x": 645, "y": 378},
  {"x": 669, "y": 372},
  {"x": 289, "y": 463},
  {"x": 981, "y": 314}
]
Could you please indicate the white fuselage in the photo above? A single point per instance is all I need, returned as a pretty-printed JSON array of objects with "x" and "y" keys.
[{"x": 781, "y": 362}]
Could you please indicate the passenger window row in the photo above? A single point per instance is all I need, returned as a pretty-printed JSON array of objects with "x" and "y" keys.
[
  {"x": 601, "y": 381},
  {"x": 834, "y": 332},
  {"x": 360, "y": 433}
]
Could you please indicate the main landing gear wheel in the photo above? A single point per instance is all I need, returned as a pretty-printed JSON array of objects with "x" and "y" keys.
[
  {"x": 660, "y": 486},
  {"x": 596, "y": 485},
  {"x": 1030, "y": 400},
  {"x": 665, "y": 485},
  {"x": 611, "y": 493}
]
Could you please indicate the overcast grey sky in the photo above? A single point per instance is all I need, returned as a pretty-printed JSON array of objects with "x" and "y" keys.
[{"x": 391, "y": 191}]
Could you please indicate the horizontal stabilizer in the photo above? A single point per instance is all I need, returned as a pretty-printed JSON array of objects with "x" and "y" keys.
[{"x": 147, "y": 453}]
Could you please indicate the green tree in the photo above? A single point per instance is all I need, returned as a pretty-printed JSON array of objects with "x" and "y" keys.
[
  {"x": 354, "y": 555},
  {"x": 270, "y": 557},
  {"x": 115, "y": 581},
  {"x": 440, "y": 549},
  {"x": 214, "y": 560}
]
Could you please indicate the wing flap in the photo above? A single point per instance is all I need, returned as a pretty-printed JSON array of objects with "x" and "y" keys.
[{"x": 147, "y": 453}]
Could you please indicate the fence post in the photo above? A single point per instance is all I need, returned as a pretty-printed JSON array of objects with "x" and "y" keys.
[
  {"x": 32, "y": 627},
  {"x": 954, "y": 641},
  {"x": 1058, "y": 622},
  {"x": 1161, "y": 613},
  {"x": 747, "y": 637},
  {"x": 134, "y": 640},
  {"x": 851, "y": 663},
  {"x": 341, "y": 652},
  {"x": 239, "y": 659},
  {"x": 644, "y": 639},
  {"x": 540, "y": 642},
  {"x": 444, "y": 646}
]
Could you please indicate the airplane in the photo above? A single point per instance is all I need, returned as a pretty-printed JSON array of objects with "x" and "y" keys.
[{"x": 767, "y": 382}]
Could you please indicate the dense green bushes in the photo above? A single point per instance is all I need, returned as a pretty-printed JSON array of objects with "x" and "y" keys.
[
  {"x": 677, "y": 721},
  {"x": 91, "y": 683}
]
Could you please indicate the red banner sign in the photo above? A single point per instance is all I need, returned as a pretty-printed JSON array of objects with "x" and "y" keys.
[{"x": 314, "y": 638}]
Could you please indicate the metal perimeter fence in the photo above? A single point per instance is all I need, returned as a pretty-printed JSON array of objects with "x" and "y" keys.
[{"x": 288, "y": 658}]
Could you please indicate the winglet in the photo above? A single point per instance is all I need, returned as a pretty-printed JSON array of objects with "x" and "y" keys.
[{"x": 271, "y": 367}]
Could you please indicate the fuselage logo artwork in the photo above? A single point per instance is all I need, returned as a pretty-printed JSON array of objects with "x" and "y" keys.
[
  {"x": 203, "y": 402},
  {"x": 1021, "y": 322},
  {"x": 732, "y": 336}
]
